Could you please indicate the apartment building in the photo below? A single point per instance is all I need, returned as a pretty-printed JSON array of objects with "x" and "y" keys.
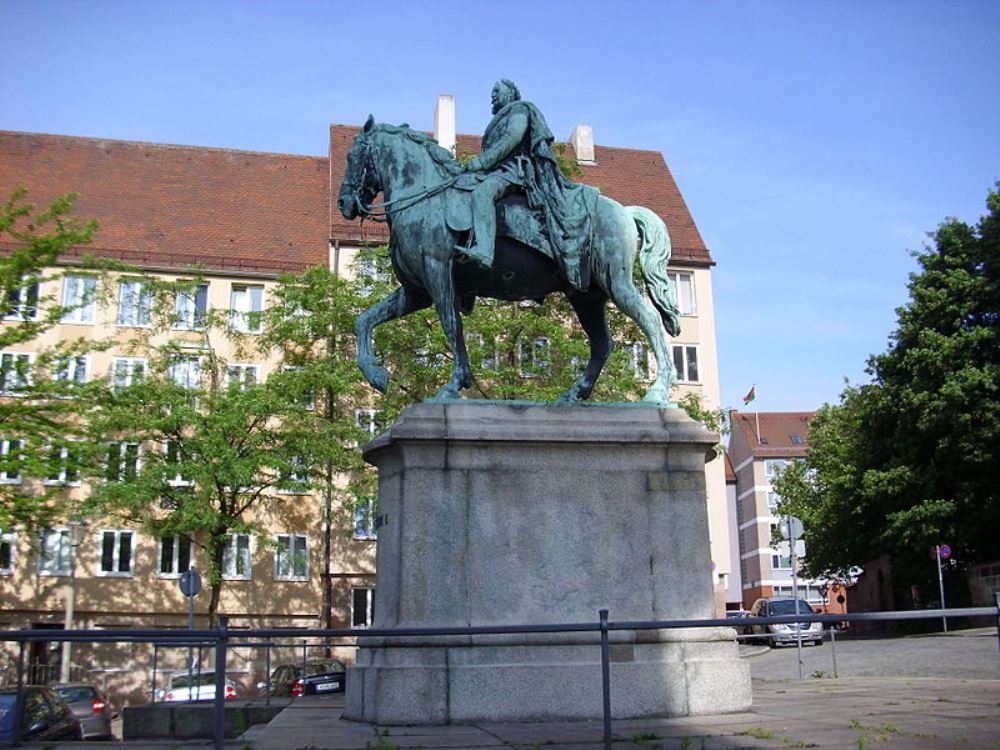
[
  {"x": 242, "y": 218},
  {"x": 761, "y": 445}
]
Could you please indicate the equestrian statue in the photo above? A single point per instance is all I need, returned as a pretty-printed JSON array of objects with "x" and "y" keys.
[{"x": 508, "y": 225}]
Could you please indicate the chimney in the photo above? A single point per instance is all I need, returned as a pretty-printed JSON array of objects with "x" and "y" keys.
[
  {"x": 444, "y": 121},
  {"x": 582, "y": 139}
]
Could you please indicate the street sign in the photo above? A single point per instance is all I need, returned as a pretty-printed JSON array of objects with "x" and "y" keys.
[
  {"x": 190, "y": 582},
  {"x": 791, "y": 527}
]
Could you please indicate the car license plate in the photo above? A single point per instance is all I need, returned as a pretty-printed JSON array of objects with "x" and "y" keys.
[{"x": 327, "y": 686}]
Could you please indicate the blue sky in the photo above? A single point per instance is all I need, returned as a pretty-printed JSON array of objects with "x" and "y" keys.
[{"x": 816, "y": 143}]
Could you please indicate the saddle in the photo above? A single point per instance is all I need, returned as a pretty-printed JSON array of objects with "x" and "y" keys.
[{"x": 515, "y": 220}]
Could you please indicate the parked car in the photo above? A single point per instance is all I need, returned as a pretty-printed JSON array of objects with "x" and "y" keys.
[
  {"x": 778, "y": 633},
  {"x": 46, "y": 716},
  {"x": 89, "y": 706},
  {"x": 319, "y": 676},
  {"x": 179, "y": 688},
  {"x": 738, "y": 614}
]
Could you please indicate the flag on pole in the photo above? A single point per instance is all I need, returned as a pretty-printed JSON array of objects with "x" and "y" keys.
[{"x": 751, "y": 394}]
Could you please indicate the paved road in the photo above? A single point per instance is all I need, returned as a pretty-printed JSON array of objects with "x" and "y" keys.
[{"x": 968, "y": 654}]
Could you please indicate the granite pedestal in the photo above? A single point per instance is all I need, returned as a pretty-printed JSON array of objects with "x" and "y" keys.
[{"x": 509, "y": 514}]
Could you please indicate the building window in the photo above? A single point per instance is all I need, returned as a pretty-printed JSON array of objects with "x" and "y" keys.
[
  {"x": 78, "y": 299},
  {"x": 15, "y": 372},
  {"x": 684, "y": 291},
  {"x": 123, "y": 462},
  {"x": 116, "y": 553},
  {"x": 369, "y": 275},
  {"x": 534, "y": 358},
  {"x": 55, "y": 552},
  {"x": 10, "y": 461},
  {"x": 242, "y": 376},
  {"x": 186, "y": 372},
  {"x": 63, "y": 467},
  {"x": 191, "y": 309},
  {"x": 7, "y": 542},
  {"x": 773, "y": 467},
  {"x": 485, "y": 349},
  {"x": 246, "y": 302},
  {"x": 306, "y": 397},
  {"x": 126, "y": 371},
  {"x": 362, "y": 607},
  {"x": 236, "y": 558},
  {"x": 175, "y": 555},
  {"x": 781, "y": 561},
  {"x": 22, "y": 302},
  {"x": 291, "y": 558},
  {"x": 175, "y": 460},
  {"x": 294, "y": 478},
  {"x": 135, "y": 301},
  {"x": 364, "y": 521},
  {"x": 686, "y": 363},
  {"x": 773, "y": 499},
  {"x": 72, "y": 369},
  {"x": 638, "y": 359},
  {"x": 368, "y": 420}
]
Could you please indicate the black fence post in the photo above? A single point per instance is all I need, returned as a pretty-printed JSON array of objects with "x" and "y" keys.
[
  {"x": 19, "y": 698},
  {"x": 606, "y": 677},
  {"x": 219, "y": 709}
]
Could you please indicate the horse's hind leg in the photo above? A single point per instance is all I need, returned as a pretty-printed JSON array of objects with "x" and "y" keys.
[
  {"x": 628, "y": 299},
  {"x": 400, "y": 303},
  {"x": 592, "y": 313}
]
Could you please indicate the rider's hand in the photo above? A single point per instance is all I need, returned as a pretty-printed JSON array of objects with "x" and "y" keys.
[{"x": 473, "y": 164}]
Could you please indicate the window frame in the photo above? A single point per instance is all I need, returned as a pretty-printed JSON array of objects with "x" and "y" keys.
[
  {"x": 65, "y": 551},
  {"x": 365, "y": 527},
  {"x": 8, "y": 541},
  {"x": 79, "y": 310},
  {"x": 135, "y": 304},
  {"x": 246, "y": 318},
  {"x": 62, "y": 478},
  {"x": 116, "y": 550},
  {"x": 192, "y": 314},
  {"x": 685, "y": 362},
  {"x": 540, "y": 365},
  {"x": 175, "y": 555},
  {"x": 22, "y": 374},
  {"x": 243, "y": 368},
  {"x": 6, "y": 445},
  {"x": 369, "y": 617},
  {"x": 128, "y": 374},
  {"x": 65, "y": 365},
  {"x": 232, "y": 552},
  {"x": 675, "y": 280},
  {"x": 20, "y": 299},
  {"x": 289, "y": 555},
  {"x": 124, "y": 460}
]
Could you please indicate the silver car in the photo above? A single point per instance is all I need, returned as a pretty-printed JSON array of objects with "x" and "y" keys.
[
  {"x": 89, "y": 706},
  {"x": 791, "y": 632}
]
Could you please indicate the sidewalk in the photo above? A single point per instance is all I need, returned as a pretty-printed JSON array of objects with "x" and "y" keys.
[{"x": 848, "y": 714}]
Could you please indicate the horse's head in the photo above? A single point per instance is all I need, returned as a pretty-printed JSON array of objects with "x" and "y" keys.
[{"x": 361, "y": 182}]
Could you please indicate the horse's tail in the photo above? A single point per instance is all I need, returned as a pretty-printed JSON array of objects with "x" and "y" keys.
[{"x": 654, "y": 254}]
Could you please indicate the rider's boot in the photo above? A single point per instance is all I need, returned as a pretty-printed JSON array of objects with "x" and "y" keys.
[{"x": 484, "y": 229}]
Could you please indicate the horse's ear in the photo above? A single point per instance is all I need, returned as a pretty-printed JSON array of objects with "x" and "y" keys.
[{"x": 369, "y": 124}]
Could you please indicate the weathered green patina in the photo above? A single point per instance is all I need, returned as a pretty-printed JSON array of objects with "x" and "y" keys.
[{"x": 550, "y": 236}]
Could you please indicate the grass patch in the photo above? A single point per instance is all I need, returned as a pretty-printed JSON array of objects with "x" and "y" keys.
[{"x": 760, "y": 733}]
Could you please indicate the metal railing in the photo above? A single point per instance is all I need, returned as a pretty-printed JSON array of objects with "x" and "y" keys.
[{"x": 223, "y": 638}]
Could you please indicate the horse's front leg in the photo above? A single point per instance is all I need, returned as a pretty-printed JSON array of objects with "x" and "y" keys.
[
  {"x": 592, "y": 313},
  {"x": 400, "y": 303},
  {"x": 441, "y": 286}
]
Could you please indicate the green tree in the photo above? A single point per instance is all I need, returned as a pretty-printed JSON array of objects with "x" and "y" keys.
[
  {"x": 910, "y": 459},
  {"x": 38, "y": 410},
  {"x": 221, "y": 446},
  {"x": 310, "y": 326}
]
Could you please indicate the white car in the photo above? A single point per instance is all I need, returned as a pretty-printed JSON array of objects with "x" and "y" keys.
[{"x": 180, "y": 689}]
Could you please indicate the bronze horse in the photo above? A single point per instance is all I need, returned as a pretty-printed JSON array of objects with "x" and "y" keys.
[{"x": 416, "y": 177}]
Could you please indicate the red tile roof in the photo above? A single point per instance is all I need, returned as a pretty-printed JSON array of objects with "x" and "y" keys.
[
  {"x": 630, "y": 176},
  {"x": 778, "y": 431},
  {"x": 175, "y": 206}
]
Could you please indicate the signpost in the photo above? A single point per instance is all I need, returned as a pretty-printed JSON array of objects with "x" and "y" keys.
[
  {"x": 941, "y": 552},
  {"x": 190, "y": 583},
  {"x": 793, "y": 530}
]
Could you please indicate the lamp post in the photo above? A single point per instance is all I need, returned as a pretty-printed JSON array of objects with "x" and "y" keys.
[{"x": 67, "y": 646}]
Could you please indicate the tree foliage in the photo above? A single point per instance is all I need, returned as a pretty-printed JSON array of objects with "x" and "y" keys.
[
  {"x": 39, "y": 416},
  {"x": 910, "y": 460}
]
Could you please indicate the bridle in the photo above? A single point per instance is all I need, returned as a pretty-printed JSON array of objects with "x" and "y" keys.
[{"x": 379, "y": 212}]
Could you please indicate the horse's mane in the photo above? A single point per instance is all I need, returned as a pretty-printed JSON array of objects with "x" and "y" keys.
[{"x": 440, "y": 155}]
